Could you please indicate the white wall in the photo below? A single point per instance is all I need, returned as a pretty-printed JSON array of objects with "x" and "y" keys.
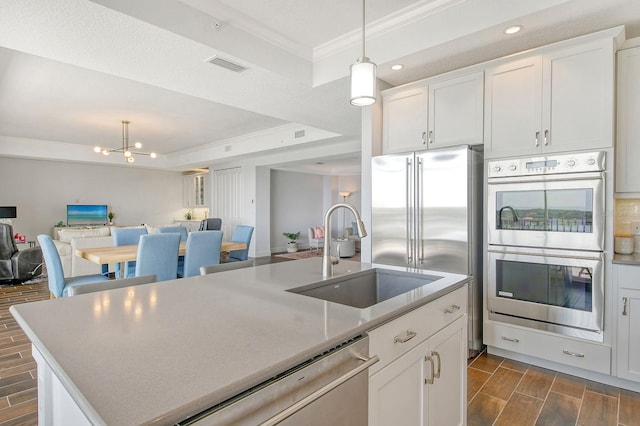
[{"x": 42, "y": 189}]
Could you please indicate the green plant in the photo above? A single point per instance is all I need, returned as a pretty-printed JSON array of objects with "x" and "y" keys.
[
  {"x": 292, "y": 236},
  {"x": 60, "y": 223},
  {"x": 188, "y": 215},
  {"x": 110, "y": 215}
]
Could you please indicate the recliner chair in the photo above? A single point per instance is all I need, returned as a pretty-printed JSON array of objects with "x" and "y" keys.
[{"x": 17, "y": 265}]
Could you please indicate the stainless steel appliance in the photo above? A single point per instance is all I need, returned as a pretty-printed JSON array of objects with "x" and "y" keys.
[
  {"x": 427, "y": 214},
  {"x": 330, "y": 389},
  {"x": 546, "y": 238}
]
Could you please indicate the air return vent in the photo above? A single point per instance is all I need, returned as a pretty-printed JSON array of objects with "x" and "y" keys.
[
  {"x": 298, "y": 134},
  {"x": 224, "y": 63}
]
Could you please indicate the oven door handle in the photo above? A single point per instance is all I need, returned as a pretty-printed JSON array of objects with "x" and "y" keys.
[
  {"x": 546, "y": 178},
  {"x": 555, "y": 254}
]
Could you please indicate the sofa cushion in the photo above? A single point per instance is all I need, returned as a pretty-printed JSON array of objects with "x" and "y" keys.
[
  {"x": 66, "y": 235},
  {"x": 153, "y": 229},
  {"x": 64, "y": 249}
]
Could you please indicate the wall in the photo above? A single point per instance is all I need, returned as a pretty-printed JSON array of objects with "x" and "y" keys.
[{"x": 42, "y": 189}]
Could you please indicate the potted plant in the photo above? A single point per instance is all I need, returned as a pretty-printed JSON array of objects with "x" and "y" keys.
[
  {"x": 188, "y": 215},
  {"x": 292, "y": 245},
  {"x": 110, "y": 216}
]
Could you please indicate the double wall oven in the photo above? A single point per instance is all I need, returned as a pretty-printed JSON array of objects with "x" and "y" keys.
[{"x": 546, "y": 241}]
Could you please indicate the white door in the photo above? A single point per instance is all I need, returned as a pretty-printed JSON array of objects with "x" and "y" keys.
[{"x": 226, "y": 196}]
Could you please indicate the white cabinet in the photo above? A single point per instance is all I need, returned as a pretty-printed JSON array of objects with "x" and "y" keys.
[
  {"x": 628, "y": 130},
  {"x": 561, "y": 100},
  {"x": 628, "y": 314},
  {"x": 195, "y": 190},
  {"x": 434, "y": 113},
  {"x": 421, "y": 376}
]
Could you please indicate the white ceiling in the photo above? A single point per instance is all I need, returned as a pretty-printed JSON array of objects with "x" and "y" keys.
[{"x": 71, "y": 70}]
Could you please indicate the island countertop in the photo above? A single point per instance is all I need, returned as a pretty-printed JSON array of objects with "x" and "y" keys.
[{"x": 159, "y": 353}]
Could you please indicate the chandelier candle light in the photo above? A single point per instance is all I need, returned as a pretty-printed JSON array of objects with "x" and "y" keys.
[
  {"x": 128, "y": 154},
  {"x": 363, "y": 76}
]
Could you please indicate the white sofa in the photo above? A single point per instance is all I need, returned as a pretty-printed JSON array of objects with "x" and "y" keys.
[{"x": 67, "y": 240}]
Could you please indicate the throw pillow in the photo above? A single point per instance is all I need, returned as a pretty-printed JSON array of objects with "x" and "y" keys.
[{"x": 318, "y": 232}]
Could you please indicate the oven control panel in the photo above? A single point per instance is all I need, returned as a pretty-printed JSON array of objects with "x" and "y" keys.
[{"x": 579, "y": 162}]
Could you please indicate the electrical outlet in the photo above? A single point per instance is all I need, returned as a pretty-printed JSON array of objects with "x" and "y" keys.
[{"x": 635, "y": 227}]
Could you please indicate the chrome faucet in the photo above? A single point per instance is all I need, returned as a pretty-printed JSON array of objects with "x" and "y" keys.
[{"x": 327, "y": 264}]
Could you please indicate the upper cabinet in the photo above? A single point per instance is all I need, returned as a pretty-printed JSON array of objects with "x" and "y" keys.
[
  {"x": 195, "y": 190},
  {"x": 433, "y": 113},
  {"x": 627, "y": 146},
  {"x": 561, "y": 100}
]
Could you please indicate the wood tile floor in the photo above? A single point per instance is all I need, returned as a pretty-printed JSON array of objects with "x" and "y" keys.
[
  {"x": 505, "y": 392},
  {"x": 500, "y": 391}
]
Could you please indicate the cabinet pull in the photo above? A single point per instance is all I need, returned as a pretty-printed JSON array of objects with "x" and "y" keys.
[
  {"x": 546, "y": 137},
  {"x": 429, "y": 380},
  {"x": 451, "y": 309},
  {"x": 624, "y": 305},
  {"x": 424, "y": 138},
  {"x": 537, "y": 138},
  {"x": 430, "y": 136},
  {"x": 437, "y": 356},
  {"x": 408, "y": 335},
  {"x": 576, "y": 354},
  {"x": 509, "y": 339}
]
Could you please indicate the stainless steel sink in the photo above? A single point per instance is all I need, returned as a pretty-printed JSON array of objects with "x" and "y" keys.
[{"x": 366, "y": 288}]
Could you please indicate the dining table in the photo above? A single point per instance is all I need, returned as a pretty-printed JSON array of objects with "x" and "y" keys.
[{"x": 120, "y": 254}]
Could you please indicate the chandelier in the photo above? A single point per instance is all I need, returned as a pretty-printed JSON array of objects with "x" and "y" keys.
[{"x": 125, "y": 150}]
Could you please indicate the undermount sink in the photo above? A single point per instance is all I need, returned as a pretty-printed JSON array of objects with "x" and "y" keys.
[{"x": 366, "y": 288}]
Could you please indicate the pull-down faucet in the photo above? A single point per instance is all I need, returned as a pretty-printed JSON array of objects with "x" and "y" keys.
[{"x": 327, "y": 264}]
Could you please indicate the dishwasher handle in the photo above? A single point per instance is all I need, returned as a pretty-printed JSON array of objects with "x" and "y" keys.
[{"x": 368, "y": 362}]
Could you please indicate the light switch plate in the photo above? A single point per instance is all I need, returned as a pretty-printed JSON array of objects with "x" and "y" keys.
[{"x": 635, "y": 227}]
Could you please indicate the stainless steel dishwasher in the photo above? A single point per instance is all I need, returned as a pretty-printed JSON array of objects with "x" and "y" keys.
[{"x": 329, "y": 389}]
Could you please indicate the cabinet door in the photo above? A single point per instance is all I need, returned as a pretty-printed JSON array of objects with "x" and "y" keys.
[
  {"x": 513, "y": 108},
  {"x": 404, "y": 117},
  {"x": 629, "y": 334},
  {"x": 447, "y": 396},
  {"x": 578, "y": 98},
  {"x": 456, "y": 111},
  {"x": 396, "y": 393},
  {"x": 627, "y": 146}
]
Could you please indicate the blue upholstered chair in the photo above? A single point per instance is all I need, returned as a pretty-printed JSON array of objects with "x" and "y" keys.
[
  {"x": 241, "y": 234},
  {"x": 184, "y": 232},
  {"x": 127, "y": 237},
  {"x": 158, "y": 255},
  {"x": 203, "y": 248},
  {"x": 58, "y": 284}
]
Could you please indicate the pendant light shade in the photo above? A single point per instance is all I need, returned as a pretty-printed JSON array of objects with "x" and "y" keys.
[{"x": 363, "y": 76}]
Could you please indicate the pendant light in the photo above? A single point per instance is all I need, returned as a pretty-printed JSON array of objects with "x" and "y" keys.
[{"x": 363, "y": 76}]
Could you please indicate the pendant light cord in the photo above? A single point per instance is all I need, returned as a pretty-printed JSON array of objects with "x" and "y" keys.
[{"x": 363, "y": 38}]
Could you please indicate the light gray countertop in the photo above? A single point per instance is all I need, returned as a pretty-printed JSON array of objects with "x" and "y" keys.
[
  {"x": 627, "y": 259},
  {"x": 159, "y": 353}
]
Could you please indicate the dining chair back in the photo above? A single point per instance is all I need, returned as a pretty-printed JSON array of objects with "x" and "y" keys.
[
  {"x": 203, "y": 248},
  {"x": 127, "y": 237},
  {"x": 211, "y": 224},
  {"x": 241, "y": 234},
  {"x": 111, "y": 285},
  {"x": 184, "y": 232},
  {"x": 211, "y": 269},
  {"x": 158, "y": 255},
  {"x": 58, "y": 284}
]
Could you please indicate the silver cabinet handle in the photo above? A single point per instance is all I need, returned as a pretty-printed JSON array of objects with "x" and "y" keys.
[
  {"x": 546, "y": 137},
  {"x": 408, "y": 335},
  {"x": 430, "y": 136},
  {"x": 429, "y": 380},
  {"x": 451, "y": 309},
  {"x": 624, "y": 305},
  {"x": 424, "y": 138},
  {"x": 576, "y": 354},
  {"x": 287, "y": 412},
  {"x": 509, "y": 339},
  {"x": 437, "y": 356},
  {"x": 538, "y": 138}
]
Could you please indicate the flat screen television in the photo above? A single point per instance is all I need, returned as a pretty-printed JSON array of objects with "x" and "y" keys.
[
  {"x": 87, "y": 214},
  {"x": 9, "y": 212}
]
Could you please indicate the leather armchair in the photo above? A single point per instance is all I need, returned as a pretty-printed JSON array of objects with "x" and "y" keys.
[{"x": 17, "y": 265}]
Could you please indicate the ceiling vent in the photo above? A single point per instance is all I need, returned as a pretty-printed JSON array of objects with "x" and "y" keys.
[
  {"x": 298, "y": 134},
  {"x": 231, "y": 66}
]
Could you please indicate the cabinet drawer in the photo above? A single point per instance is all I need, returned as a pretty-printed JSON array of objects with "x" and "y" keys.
[
  {"x": 627, "y": 276},
  {"x": 394, "y": 338},
  {"x": 556, "y": 348}
]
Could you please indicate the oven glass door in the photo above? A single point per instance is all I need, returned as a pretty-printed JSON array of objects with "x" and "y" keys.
[
  {"x": 547, "y": 212},
  {"x": 540, "y": 287}
]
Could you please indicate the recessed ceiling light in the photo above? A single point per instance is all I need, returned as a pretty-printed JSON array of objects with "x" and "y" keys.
[
  {"x": 512, "y": 30},
  {"x": 397, "y": 67}
]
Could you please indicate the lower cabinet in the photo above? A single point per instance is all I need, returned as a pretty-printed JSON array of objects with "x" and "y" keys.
[
  {"x": 628, "y": 314},
  {"x": 426, "y": 385}
]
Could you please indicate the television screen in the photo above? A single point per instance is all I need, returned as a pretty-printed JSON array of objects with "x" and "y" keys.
[
  {"x": 8, "y": 212},
  {"x": 85, "y": 214}
]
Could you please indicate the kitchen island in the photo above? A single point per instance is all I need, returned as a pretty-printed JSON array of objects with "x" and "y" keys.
[{"x": 159, "y": 353}]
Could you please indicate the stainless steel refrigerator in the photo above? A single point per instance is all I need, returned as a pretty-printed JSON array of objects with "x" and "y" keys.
[{"x": 427, "y": 214}]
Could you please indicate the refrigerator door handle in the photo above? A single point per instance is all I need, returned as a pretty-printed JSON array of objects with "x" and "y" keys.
[
  {"x": 409, "y": 215},
  {"x": 419, "y": 222}
]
